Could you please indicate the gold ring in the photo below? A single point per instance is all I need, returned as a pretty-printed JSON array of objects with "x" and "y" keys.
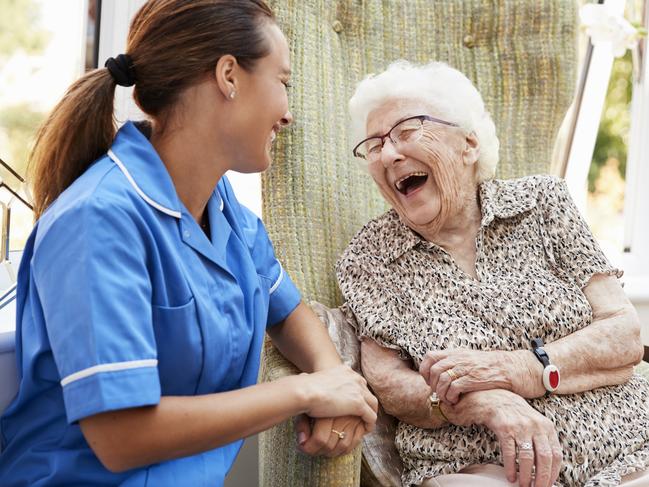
[
  {"x": 451, "y": 374},
  {"x": 341, "y": 434}
]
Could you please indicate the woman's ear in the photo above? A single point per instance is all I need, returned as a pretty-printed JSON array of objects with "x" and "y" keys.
[
  {"x": 225, "y": 73},
  {"x": 471, "y": 151}
]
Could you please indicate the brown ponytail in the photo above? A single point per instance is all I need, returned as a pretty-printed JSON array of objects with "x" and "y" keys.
[
  {"x": 172, "y": 44},
  {"x": 78, "y": 131}
]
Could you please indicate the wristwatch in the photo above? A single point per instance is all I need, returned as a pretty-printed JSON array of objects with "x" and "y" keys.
[
  {"x": 435, "y": 409},
  {"x": 551, "y": 376}
]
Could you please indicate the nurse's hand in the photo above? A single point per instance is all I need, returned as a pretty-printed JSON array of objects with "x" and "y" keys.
[
  {"x": 320, "y": 436},
  {"x": 338, "y": 391}
]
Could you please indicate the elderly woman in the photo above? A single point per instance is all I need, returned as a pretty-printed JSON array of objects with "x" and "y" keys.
[{"x": 493, "y": 326}]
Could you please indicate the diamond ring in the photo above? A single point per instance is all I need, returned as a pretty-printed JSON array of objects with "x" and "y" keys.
[
  {"x": 525, "y": 445},
  {"x": 341, "y": 434}
]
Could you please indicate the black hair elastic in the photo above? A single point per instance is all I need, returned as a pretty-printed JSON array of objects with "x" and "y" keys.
[{"x": 121, "y": 69}]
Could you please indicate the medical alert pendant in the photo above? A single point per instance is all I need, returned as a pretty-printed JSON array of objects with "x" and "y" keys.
[{"x": 551, "y": 376}]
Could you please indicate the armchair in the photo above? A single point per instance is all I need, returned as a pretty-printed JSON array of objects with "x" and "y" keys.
[{"x": 521, "y": 54}]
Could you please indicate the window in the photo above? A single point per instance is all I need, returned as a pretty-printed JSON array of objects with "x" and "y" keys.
[
  {"x": 43, "y": 46},
  {"x": 608, "y": 166}
]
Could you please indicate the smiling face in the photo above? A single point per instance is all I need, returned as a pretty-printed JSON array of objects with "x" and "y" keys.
[
  {"x": 262, "y": 105},
  {"x": 426, "y": 181}
]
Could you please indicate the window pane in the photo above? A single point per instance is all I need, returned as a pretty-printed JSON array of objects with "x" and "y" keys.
[
  {"x": 42, "y": 50},
  {"x": 606, "y": 177}
]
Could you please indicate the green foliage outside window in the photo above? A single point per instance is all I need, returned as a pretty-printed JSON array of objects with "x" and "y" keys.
[
  {"x": 613, "y": 134},
  {"x": 19, "y": 31}
]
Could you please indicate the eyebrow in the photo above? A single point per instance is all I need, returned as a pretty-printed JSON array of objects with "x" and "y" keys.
[{"x": 377, "y": 134}]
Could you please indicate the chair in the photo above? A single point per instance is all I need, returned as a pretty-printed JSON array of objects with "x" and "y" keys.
[{"x": 520, "y": 54}]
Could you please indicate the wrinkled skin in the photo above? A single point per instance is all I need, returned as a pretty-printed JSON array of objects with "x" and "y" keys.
[
  {"x": 448, "y": 155},
  {"x": 446, "y": 211}
]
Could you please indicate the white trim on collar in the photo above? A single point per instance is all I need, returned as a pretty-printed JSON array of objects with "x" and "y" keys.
[
  {"x": 218, "y": 195},
  {"x": 153, "y": 203}
]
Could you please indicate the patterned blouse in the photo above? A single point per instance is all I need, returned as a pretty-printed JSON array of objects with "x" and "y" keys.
[{"x": 535, "y": 254}]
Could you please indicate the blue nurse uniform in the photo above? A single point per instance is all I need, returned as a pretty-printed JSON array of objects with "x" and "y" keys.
[{"x": 123, "y": 299}]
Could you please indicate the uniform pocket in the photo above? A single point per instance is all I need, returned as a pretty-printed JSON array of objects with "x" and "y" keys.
[{"x": 180, "y": 348}]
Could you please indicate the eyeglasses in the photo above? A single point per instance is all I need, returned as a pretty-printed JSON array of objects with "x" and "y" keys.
[{"x": 408, "y": 130}]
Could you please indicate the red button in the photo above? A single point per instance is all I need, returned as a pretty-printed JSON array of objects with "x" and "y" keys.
[{"x": 554, "y": 379}]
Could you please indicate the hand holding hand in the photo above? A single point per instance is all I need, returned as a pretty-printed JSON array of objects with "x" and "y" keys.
[
  {"x": 339, "y": 391},
  {"x": 329, "y": 437}
]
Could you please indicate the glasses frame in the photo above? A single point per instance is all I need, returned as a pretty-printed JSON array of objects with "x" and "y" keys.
[{"x": 421, "y": 118}]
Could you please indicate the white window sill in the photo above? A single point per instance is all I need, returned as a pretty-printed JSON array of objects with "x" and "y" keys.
[{"x": 637, "y": 289}]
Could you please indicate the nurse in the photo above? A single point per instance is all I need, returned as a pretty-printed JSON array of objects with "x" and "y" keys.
[{"x": 145, "y": 289}]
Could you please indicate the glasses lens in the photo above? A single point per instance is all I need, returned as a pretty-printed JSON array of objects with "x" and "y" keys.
[
  {"x": 407, "y": 131},
  {"x": 369, "y": 149}
]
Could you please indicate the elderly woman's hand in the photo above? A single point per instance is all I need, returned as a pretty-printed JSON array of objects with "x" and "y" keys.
[
  {"x": 328, "y": 437},
  {"x": 457, "y": 371},
  {"x": 526, "y": 437}
]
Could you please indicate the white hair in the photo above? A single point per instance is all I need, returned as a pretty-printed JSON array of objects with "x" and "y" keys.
[{"x": 452, "y": 94}]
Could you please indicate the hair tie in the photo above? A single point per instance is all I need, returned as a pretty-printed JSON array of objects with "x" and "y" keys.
[{"x": 121, "y": 69}]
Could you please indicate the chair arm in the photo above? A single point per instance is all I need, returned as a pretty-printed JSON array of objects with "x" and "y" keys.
[{"x": 280, "y": 463}]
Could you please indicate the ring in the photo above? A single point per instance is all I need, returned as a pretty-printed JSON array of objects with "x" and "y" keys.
[
  {"x": 451, "y": 374},
  {"x": 341, "y": 434},
  {"x": 526, "y": 445}
]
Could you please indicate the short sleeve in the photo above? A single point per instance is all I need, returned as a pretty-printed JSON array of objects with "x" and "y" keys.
[
  {"x": 568, "y": 241},
  {"x": 374, "y": 305},
  {"x": 283, "y": 294},
  {"x": 89, "y": 268}
]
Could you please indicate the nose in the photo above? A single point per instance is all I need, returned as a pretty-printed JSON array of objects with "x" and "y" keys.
[
  {"x": 390, "y": 154},
  {"x": 287, "y": 119}
]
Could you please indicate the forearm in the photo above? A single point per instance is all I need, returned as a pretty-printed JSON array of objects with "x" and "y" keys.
[
  {"x": 407, "y": 398},
  {"x": 186, "y": 425},
  {"x": 401, "y": 391},
  {"x": 405, "y": 395},
  {"x": 607, "y": 344},
  {"x": 601, "y": 354},
  {"x": 303, "y": 339},
  {"x": 575, "y": 377}
]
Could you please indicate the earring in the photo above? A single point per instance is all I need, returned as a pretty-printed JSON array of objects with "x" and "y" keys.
[{"x": 232, "y": 95}]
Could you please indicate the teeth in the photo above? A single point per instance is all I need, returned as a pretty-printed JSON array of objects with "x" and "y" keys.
[{"x": 399, "y": 183}]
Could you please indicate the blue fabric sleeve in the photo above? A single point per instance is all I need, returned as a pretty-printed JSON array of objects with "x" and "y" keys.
[
  {"x": 90, "y": 271},
  {"x": 283, "y": 294}
]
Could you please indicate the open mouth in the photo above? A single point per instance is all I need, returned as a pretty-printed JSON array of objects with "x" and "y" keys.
[{"x": 411, "y": 182}]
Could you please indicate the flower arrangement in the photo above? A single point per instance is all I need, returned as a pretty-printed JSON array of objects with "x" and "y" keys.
[{"x": 605, "y": 26}]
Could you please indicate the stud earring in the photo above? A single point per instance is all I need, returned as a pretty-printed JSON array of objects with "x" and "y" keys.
[{"x": 232, "y": 95}]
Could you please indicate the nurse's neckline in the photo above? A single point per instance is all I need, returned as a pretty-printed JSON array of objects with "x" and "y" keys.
[{"x": 204, "y": 223}]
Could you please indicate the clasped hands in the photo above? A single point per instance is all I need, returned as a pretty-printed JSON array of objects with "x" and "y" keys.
[
  {"x": 496, "y": 384},
  {"x": 329, "y": 437},
  {"x": 342, "y": 411},
  {"x": 451, "y": 373}
]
